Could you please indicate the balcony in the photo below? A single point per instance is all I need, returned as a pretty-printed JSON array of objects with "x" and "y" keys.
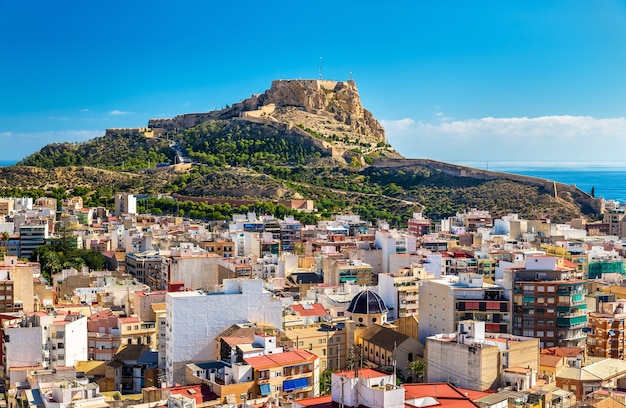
[{"x": 571, "y": 321}]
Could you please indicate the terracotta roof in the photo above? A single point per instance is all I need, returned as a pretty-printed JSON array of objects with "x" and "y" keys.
[
  {"x": 364, "y": 373},
  {"x": 316, "y": 402},
  {"x": 446, "y": 395},
  {"x": 564, "y": 351},
  {"x": 200, "y": 393},
  {"x": 549, "y": 360},
  {"x": 233, "y": 341},
  {"x": 280, "y": 359},
  {"x": 315, "y": 309},
  {"x": 132, "y": 319}
]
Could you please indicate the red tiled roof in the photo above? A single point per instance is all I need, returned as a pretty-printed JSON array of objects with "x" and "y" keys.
[
  {"x": 316, "y": 309},
  {"x": 201, "y": 393},
  {"x": 364, "y": 373},
  {"x": 549, "y": 360},
  {"x": 233, "y": 341},
  {"x": 316, "y": 402},
  {"x": 280, "y": 359},
  {"x": 564, "y": 351},
  {"x": 445, "y": 394}
]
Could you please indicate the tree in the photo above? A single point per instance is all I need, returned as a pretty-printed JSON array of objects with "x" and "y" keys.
[
  {"x": 417, "y": 368},
  {"x": 326, "y": 382},
  {"x": 593, "y": 191}
]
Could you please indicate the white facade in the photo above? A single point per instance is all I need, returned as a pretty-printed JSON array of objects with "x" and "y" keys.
[
  {"x": 68, "y": 342},
  {"x": 436, "y": 308},
  {"x": 125, "y": 204},
  {"x": 23, "y": 347},
  {"x": 393, "y": 242},
  {"x": 374, "y": 391},
  {"x": 194, "y": 319}
]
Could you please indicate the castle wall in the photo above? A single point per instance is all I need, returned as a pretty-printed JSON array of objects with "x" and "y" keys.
[{"x": 595, "y": 204}]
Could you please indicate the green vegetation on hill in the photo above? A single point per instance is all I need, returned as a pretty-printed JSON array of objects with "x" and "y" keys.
[
  {"x": 235, "y": 143},
  {"x": 217, "y": 212},
  {"x": 114, "y": 152},
  {"x": 264, "y": 162}
]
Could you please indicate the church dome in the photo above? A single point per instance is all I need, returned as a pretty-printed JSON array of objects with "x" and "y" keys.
[{"x": 367, "y": 302}]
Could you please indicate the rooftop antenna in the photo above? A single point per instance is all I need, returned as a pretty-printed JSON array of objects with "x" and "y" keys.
[{"x": 320, "y": 67}]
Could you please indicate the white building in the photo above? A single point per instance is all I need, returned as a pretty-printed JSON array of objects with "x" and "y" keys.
[
  {"x": 125, "y": 204},
  {"x": 195, "y": 318},
  {"x": 446, "y": 301},
  {"x": 394, "y": 242}
]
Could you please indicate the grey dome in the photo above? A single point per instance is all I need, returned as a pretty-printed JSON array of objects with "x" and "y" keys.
[{"x": 367, "y": 302}]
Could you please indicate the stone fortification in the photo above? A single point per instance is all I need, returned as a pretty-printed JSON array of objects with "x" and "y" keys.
[{"x": 337, "y": 100}]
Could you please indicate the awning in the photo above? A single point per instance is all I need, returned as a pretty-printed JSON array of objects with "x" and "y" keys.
[
  {"x": 265, "y": 390},
  {"x": 291, "y": 385}
]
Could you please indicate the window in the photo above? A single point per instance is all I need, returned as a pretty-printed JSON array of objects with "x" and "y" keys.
[
  {"x": 136, "y": 327},
  {"x": 129, "y": 341}
]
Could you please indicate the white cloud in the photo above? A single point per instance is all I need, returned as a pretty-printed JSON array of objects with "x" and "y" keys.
[
  {"x": 541, "y": 138},
  {"x": 84, "y": 110},
  {"x": 119, "y": 112}
]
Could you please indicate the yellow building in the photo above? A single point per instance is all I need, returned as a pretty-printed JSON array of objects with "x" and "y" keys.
[{"x": 329, "y": 343}]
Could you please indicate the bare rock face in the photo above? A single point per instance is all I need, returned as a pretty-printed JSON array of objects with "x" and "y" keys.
[
  {"x": 331, "y": 108},
  {"x": 339, "y": 99}
]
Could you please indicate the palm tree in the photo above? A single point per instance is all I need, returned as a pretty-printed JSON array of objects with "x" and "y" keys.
[{"x": 418, "y": 368}]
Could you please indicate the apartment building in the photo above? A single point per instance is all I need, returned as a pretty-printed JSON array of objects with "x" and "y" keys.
[
  {"x": 605, "y": 331},
  {"x": 548, "y": 302},
  {"x": 195, "y": 318},
  {"x": 482, "y": 360},
  {"x": 446, "y": 301}
]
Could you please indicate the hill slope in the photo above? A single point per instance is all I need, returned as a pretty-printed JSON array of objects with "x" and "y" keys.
[{"x": 299, "y": 139}]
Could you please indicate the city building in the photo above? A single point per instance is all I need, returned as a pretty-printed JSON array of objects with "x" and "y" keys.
[
  {"x": 145, "y": 266},
  {"x": 31, "y": 238},
  {"x": 195, "y": 318},
  {"x": 401, "y": 291},
  {"x": 418, "y": 225},
  {"x": 367, "y": 308},
  {"x": 338, "y": 271},
  {"x": 605, "y": 330},
  {"x": 482, "y": 360},
  {"x": 448, "y": 300},
  {"x": 548, "y": 301},
  {"x": 125, "y": 204}
]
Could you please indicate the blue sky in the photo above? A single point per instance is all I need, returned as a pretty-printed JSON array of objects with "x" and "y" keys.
[{"x": 456, "y": 81}]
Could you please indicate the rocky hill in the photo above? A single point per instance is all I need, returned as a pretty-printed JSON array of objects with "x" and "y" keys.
[
  {"x": 330, "y": 110},
  {"x": 300, "y": 139}
]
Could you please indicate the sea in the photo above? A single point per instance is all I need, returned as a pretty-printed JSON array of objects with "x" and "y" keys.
[{"x": 607, "y": 179}]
